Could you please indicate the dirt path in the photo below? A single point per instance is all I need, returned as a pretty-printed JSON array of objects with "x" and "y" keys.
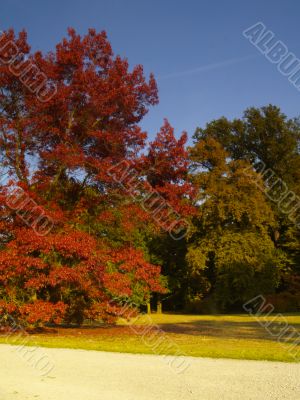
[{"x": 90, "y": 375}]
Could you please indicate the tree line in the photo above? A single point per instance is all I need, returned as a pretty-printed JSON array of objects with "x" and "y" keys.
[{"x": 77, "y": 244}]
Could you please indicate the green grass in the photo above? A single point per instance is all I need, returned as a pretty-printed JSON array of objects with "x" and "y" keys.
[{"x": 217, "y": 336}]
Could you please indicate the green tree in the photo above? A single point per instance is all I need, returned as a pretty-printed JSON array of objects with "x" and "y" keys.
[
  {"x": 263, "y": 135},
  {"x": 231, "y": 256},
  {"x": 270, "y": 141}
]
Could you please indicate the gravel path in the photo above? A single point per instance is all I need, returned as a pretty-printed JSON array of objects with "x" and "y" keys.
[{"x": 91, "y": 375}]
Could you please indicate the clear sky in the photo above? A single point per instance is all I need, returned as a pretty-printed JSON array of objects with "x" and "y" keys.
[{"x": 205, "y": 67}]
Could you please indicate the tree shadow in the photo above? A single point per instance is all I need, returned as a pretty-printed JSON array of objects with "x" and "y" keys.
[{"x": 264, "y": 330}]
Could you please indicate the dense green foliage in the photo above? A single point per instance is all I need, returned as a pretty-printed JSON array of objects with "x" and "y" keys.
[{"x": 244, "y": 242}]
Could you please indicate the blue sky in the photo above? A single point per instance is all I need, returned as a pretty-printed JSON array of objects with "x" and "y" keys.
[{"x": 205, "y": 67}]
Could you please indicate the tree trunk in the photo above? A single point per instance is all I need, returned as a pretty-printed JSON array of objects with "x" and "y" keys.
[
  {"x": 159, "y": 307},
  {"x": 149, "y": 308}
]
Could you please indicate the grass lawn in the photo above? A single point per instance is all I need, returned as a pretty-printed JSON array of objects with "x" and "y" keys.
[{"x": 217, "y": 336}]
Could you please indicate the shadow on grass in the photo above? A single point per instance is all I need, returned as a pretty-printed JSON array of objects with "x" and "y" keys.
[
  {"x": 252, "y": 330},
  {"x": 235, "y": 330}
]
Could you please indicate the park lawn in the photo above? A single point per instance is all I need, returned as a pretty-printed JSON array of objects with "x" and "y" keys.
[{"x": 217, "y": 336}]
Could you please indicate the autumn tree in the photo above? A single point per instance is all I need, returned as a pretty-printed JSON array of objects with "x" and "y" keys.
[
  {"x": 166, "y": 166},
  {"x": 59, "y": 151}
]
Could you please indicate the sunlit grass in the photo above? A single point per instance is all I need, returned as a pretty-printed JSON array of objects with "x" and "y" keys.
[{"x": 217, "y": 336}]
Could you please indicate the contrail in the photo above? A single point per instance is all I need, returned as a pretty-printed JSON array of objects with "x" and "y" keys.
[{"x": 207, "y": 67}]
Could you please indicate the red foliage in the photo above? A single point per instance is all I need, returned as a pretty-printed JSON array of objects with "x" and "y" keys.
[
  {"x": 166, "y": 166},
  {"x": 58, "y": 152},
  {"x": 46, "y": 272},
  {"x": 41, "y": 312}
]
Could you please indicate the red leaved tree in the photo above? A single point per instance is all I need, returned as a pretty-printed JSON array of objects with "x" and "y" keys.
[{"x": 57, "y": 150}]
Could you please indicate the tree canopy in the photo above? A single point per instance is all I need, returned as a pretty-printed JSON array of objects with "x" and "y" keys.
[{"x": 76, "y": 243}]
